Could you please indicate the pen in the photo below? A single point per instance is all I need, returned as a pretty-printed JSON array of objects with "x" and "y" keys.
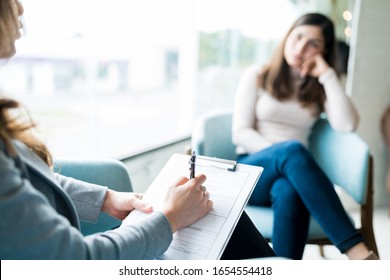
[{"x": 192, "y": 165}]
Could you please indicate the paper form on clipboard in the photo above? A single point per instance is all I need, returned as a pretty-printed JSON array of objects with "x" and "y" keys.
[{"x": 230, "y": 186}]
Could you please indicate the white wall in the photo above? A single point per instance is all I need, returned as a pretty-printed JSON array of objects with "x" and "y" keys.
[{"x": 369, "y": 80}]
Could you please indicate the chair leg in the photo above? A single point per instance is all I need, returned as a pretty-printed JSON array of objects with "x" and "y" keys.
[
  {"x": 369, "y": 239},
  {"x": 366, "y": 214},
  {"x": 322, "y": 251}
]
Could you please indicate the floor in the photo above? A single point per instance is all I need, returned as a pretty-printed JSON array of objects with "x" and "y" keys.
[{"x": 382, "y": 235}]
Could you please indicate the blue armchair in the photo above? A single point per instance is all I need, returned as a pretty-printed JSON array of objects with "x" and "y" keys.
[
  {"x": 106, "y": 172},
  {"x": 344, "y": 157}
]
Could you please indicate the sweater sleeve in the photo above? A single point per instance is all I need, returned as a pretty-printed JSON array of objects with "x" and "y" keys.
[
  {"x": 339, "y": 108},
  {"x": 146, "y": 239},
  {"x": 244, "y": 134},
  {"x": 87, "y": 198},
  {"x": 30, "y": 228}
]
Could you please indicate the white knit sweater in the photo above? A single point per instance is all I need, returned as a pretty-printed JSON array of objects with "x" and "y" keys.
[{"x": 260, "y": 120}]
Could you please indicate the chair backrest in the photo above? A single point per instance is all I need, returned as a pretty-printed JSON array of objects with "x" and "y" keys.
[
  {"x": 212, "y": 135},
  {"x": 105, "y": 172},
  {"x": 343, "y": 156}
]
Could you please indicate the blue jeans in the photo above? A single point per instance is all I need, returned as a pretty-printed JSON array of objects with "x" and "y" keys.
[{"x": 296, "y": 187}]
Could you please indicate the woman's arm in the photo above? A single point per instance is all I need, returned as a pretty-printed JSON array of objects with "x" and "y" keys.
[
  {"x": 87, "y": 198},
  {"x": 340, "y": 110},
  {"x": 30, "y": 228}
]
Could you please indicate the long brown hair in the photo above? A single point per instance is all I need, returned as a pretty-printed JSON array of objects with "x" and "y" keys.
[
  {"x": 276, "y": 77},
  {"x": 14, "y": 124}
]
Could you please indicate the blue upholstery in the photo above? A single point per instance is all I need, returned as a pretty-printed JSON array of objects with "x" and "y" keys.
[
  {"x": 212, "y": 135},
  {"x": 106, "y": 172},
  {"x": 344, "y": 157}
]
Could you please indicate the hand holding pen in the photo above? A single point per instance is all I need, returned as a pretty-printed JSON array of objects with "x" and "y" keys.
[{"x": 185, "y": 202}]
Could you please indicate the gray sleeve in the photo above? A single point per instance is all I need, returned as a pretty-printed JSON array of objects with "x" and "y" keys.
[
  {"x": 30, "y": 228},
  {"x": 87, "y": 198},
  {"x": 144, "y": 239}
]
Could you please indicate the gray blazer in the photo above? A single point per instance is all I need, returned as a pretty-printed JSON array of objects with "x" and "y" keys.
[{"x": 40, "y": 212}]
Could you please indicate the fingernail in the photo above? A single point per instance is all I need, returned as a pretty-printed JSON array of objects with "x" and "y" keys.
[{"x": 148, "y": 206}]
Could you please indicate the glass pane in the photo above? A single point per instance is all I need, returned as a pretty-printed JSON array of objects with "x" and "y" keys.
[
  {"x": 116, "y": 77},
  {"x": 232, "y": 36},
  {"x": 100, "y": 77}
]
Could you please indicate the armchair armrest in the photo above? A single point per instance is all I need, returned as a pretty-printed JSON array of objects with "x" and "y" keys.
[{"x": 105, "y": 172}]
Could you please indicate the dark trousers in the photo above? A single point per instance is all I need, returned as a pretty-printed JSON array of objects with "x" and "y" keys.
[{"x": 246, "y": 242}]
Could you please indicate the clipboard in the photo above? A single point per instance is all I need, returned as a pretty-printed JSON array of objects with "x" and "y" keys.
[
  {"x": 229, "y": 165},
  {"x": 230, "y": 185}
]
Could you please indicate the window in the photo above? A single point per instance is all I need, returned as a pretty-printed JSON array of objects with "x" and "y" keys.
[
  {"x": 100, "y": 77},
  {"x": 111, "y": 78},
  {"x": 232, "y": 36}
]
